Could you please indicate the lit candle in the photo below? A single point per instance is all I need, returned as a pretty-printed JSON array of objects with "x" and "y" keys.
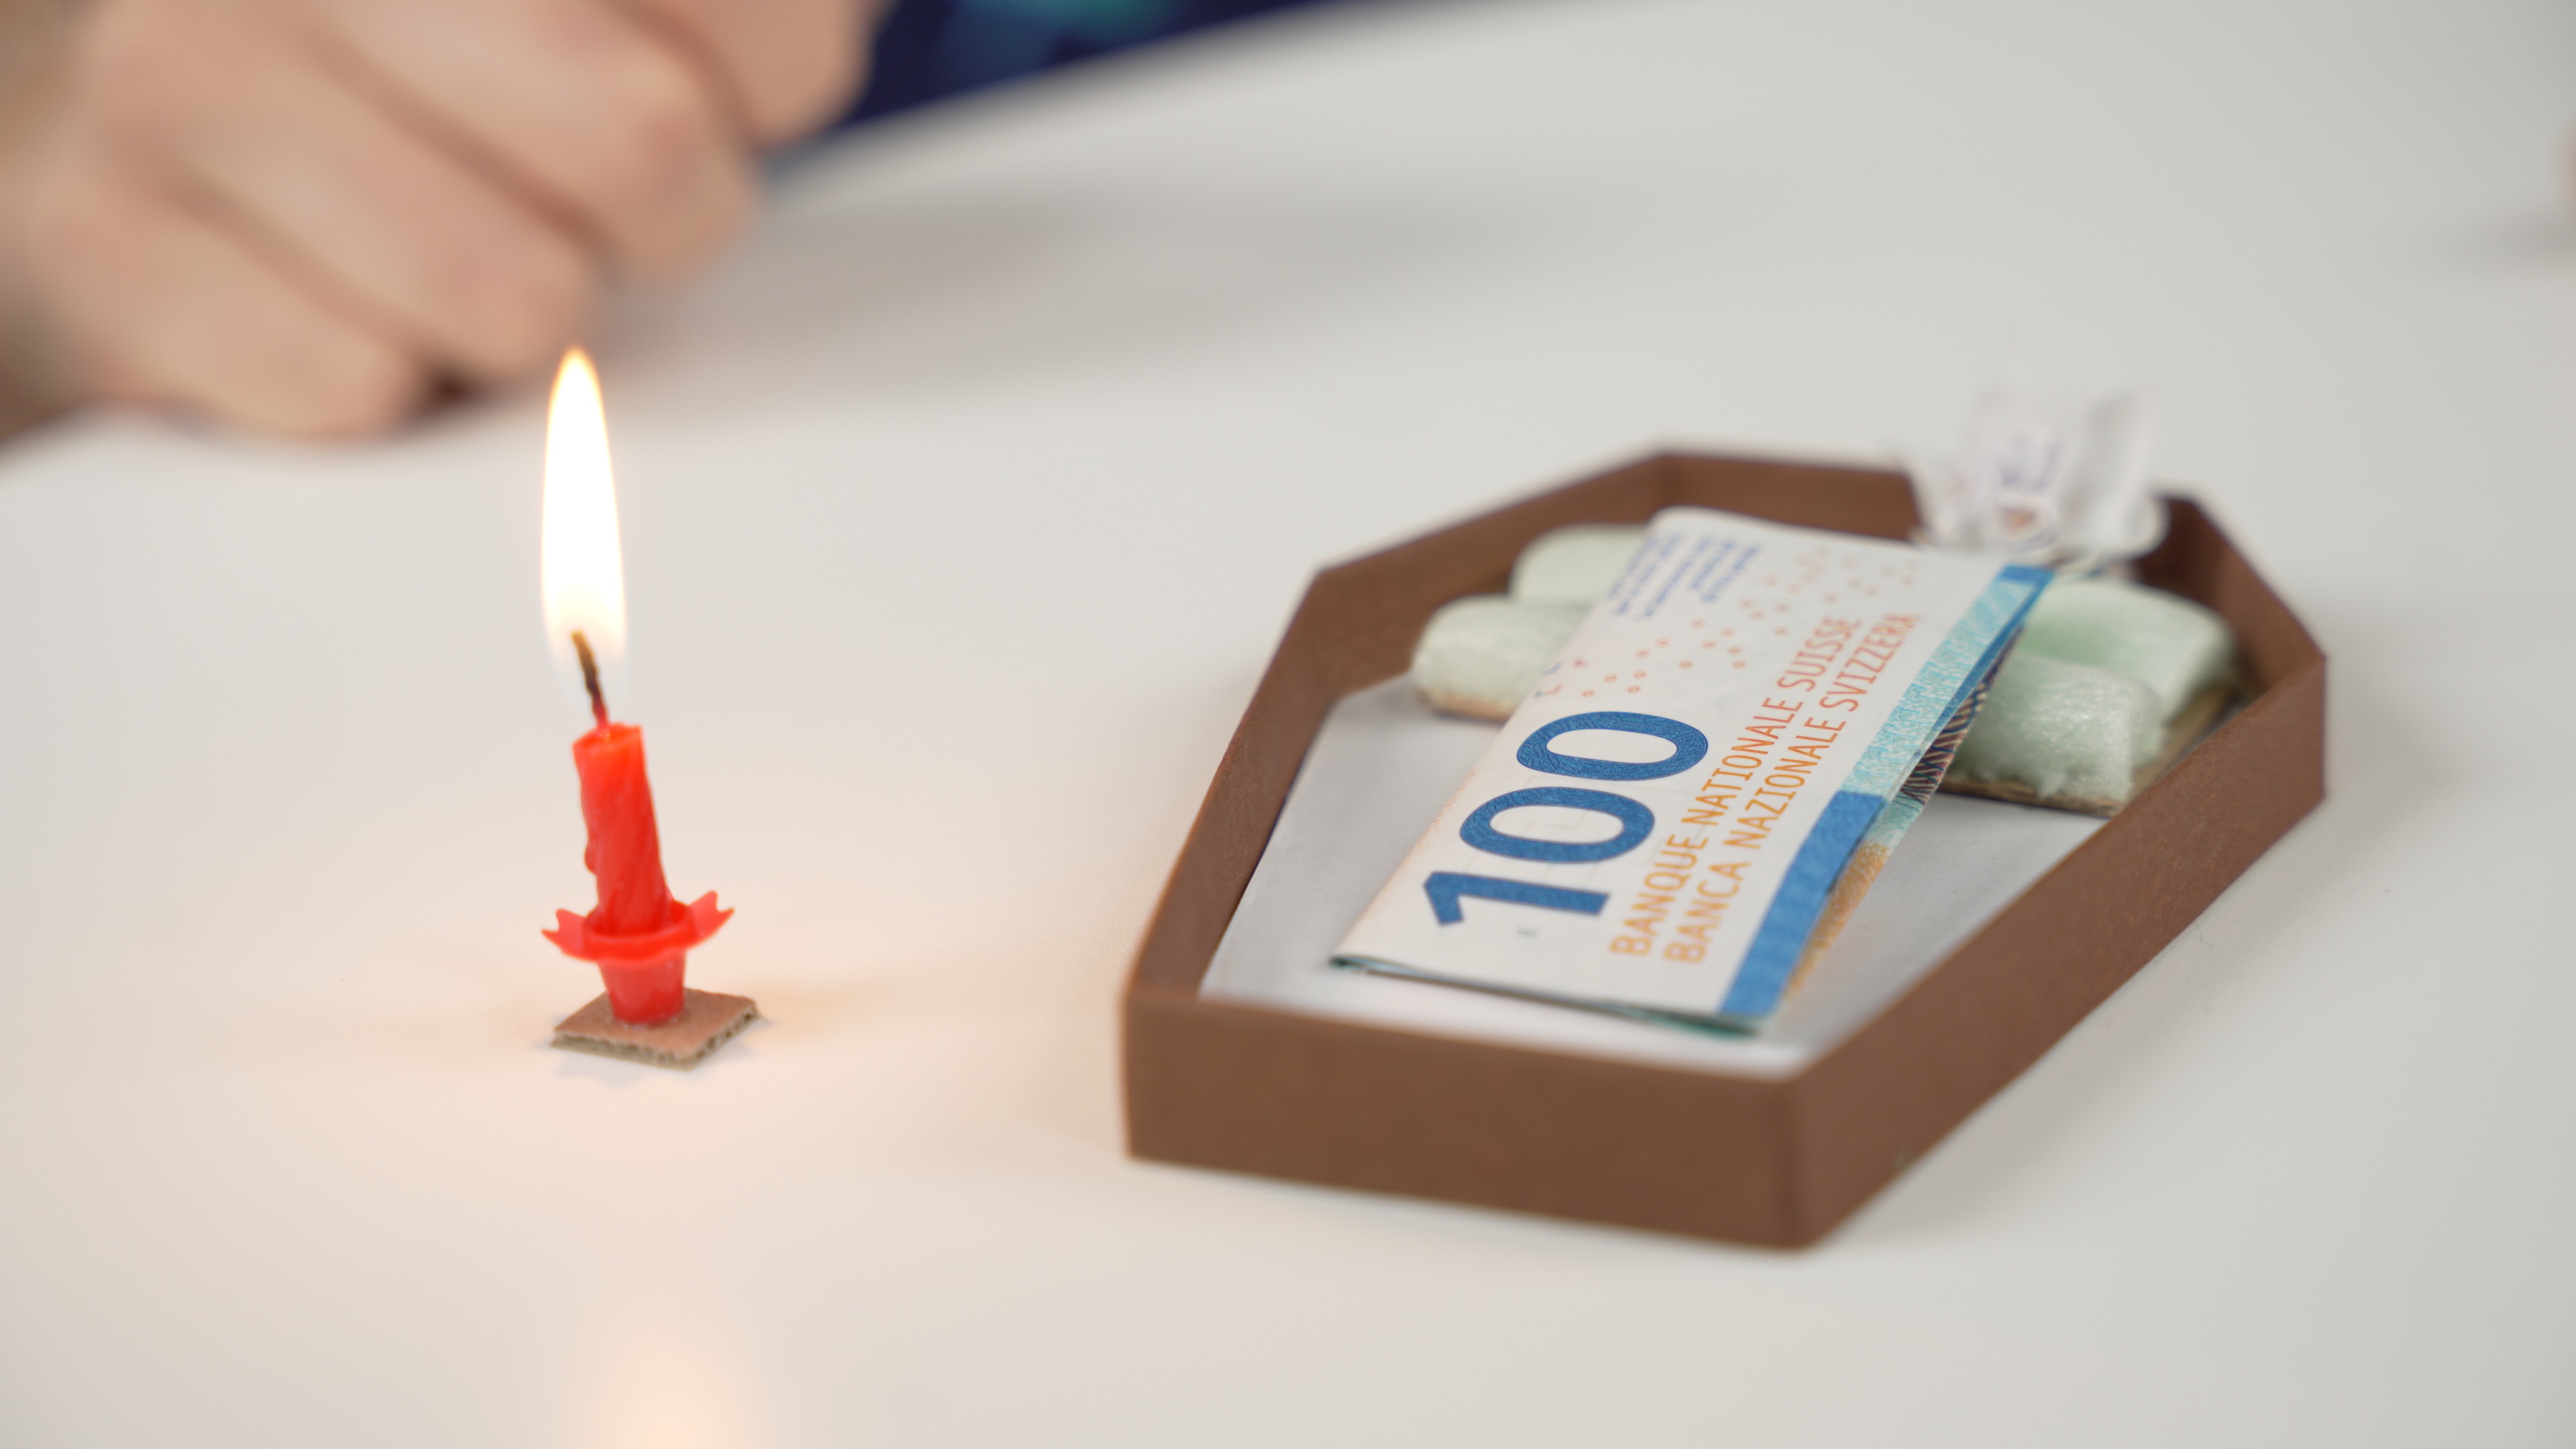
[{"x": 638, "y": 934}]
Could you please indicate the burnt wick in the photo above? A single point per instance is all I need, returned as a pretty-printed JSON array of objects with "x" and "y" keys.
[{"x": 590, "y": 678}]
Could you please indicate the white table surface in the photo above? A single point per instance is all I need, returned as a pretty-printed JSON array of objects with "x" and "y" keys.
[{"x": 962, "y": 512}]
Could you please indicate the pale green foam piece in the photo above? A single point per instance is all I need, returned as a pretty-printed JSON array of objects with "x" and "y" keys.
[
  {"x": 2069, "y": 733},
  {"x": 1482, "y": 655},
  {"x": 1575, "y": 564},
  {"x": 2172, "y": 645}
]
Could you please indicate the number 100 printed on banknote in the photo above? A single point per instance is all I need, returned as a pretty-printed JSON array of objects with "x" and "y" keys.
[{"x": 1709, "y": 775}]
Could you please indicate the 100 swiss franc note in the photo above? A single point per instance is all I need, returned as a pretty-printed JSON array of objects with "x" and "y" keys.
[{"x": 1659, "y": 826}]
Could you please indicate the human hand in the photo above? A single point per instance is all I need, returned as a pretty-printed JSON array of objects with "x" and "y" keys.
[{"x": 304, "y": 215}]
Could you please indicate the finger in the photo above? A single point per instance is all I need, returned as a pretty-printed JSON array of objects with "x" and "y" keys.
[
  {"x": 605, "y": 120},
  {"x": 160, "y": 306},
  {"x": 367, "y": 208},
  {"x": 785, "y": 65}
]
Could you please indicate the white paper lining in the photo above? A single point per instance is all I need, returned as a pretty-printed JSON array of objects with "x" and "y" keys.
[{"x": 1380, "y": 771}]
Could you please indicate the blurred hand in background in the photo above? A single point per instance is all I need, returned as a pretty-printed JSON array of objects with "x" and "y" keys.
[{"x": 306, "y": 215}]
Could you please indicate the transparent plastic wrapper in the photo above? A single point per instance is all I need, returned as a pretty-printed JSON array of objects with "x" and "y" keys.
[
  {"x": 2040, "y": 483},
  {"x": 2066, "y": 488}
]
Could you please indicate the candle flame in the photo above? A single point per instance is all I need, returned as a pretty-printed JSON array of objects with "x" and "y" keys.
[{"x": 582, "y": 567}]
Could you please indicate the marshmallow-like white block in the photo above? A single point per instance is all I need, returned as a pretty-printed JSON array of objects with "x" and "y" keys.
[
  {"x": 1482, "y": 655},
  {"x": 2076, "y": 710},
  {"x": 2070, "y": 734},
  {"x": 1575, "y": 564},
  {"x": 2173, "y": 646}
]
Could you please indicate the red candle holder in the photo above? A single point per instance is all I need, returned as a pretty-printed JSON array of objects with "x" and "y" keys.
[{"x": 645, "y": 974}]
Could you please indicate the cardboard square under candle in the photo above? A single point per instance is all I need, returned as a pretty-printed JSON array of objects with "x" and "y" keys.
[{"x": 707, "y": 1020}]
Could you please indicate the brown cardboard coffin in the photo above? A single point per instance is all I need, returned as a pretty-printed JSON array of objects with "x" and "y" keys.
[{"x": 1758, "y": 1161}]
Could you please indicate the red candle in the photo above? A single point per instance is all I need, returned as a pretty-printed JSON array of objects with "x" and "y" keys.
[
  {"x": 638, "y": 934},
  {"x": 625, "y": 851}
]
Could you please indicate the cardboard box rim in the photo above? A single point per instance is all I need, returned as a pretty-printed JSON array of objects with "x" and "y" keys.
[{"x": 1776, "y": 1162}]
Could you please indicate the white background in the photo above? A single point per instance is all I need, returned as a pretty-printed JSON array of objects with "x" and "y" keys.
[{"x": 963, "y": 510}]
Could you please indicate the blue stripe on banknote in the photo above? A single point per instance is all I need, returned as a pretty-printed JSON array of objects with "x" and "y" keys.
[{"x": 1958, "y": 665}]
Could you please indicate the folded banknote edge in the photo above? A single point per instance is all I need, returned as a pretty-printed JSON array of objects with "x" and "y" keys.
[
  {"x": 1963, "y": 658},
  {"x": 1715, "y": 1023}
]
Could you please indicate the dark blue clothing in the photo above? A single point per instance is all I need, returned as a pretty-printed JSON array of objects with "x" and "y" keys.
[{"x": 930, "y": 49}]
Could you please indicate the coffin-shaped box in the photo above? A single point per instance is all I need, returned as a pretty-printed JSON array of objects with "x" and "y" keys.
[{"x": 1752, "y": 1159}]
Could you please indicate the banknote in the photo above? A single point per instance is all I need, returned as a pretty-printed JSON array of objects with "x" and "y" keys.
[{"x": 1707, "y": 777}]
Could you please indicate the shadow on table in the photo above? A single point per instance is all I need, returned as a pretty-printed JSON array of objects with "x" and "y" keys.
[
  {"x": 2535, "y": 240},
  {"x": 2379, "y": 774}
]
